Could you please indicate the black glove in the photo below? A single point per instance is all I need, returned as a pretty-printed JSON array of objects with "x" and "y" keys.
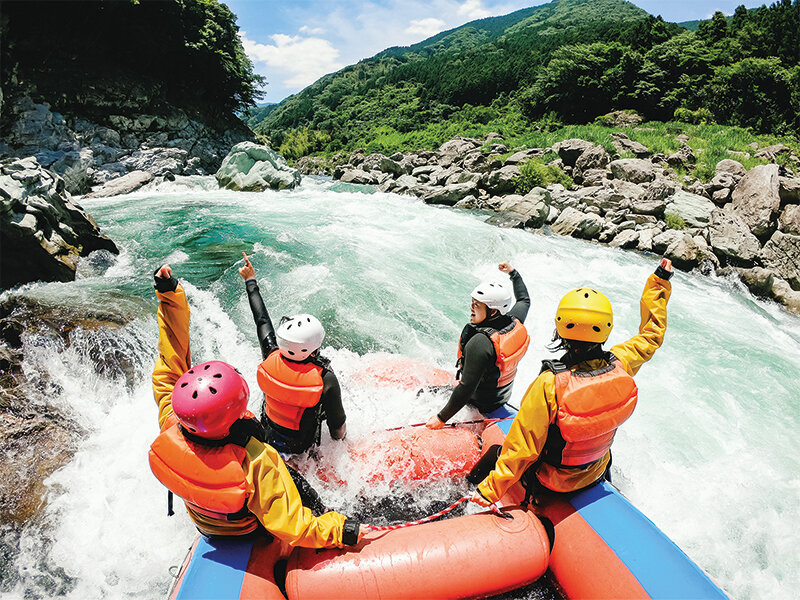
[
  {"x": 663, "y": 273},
  {"x": 350, "y": 532},
  {"x": 164, "y": 284}
]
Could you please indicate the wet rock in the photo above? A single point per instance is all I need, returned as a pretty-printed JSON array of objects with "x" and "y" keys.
[
  {"x": 782, "y": 292},
  {"x": 629, "y": 238},
  {"x": 758, "y": 280},
  {"x": 679, "y": 247},
  {"x": 122, "y": 185},
  {"x": 530, "y": 210},
  {"x": 379, "y": 162},
  {"x": 756, "y": 199},
  {"x": 781, "y": 254},
  {"x": 42, "y": 230},
  {"x": 251, "y": 167}
]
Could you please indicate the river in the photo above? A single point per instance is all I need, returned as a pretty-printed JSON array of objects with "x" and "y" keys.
[{"x": 710, "y": 454}]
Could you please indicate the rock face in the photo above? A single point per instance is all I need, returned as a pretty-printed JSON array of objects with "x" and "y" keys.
[
  {"x": 250, "y": 167},
  {"x": 731, "y": 237},
  {"x": 42, "y": 231},
  {"x": 693, "y": 209},
  {"x": 757, "y": 199},
  {"x": 781, "y": 254},
  {"x": 87, "y": 154}
]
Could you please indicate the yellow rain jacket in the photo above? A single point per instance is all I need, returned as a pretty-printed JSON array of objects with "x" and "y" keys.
[
  {"x": 528, "y": 433},
  {"x": 272, "y": 496}
]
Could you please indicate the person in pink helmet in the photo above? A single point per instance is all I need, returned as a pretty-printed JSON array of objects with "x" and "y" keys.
[{"x": 211, "y": 450}]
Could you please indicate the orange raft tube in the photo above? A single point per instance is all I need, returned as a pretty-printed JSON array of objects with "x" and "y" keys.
[{"x": 414, "y": 562}]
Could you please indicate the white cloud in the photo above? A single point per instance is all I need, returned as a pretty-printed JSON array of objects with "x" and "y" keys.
[
  {"x": 474, "y": 9},
  {"x": 312, "y": 30},
  {"x": 301, "y": 60},
  {"x": 425, "y": 27}
]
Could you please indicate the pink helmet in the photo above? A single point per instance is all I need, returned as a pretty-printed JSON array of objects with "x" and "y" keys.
[{"x": 209, "y": 397}]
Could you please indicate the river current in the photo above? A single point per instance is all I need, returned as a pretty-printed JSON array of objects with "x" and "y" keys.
[{"x": 710, "y": 454}]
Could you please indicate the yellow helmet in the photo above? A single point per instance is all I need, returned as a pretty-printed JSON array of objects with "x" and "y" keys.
[{"x": 584, "y": 315}]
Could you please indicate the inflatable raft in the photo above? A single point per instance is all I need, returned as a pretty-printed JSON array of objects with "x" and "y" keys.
[{"x": 603, "y": 547}]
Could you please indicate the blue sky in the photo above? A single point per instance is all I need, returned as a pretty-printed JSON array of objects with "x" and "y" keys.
[{"x": 295, "y": 42}]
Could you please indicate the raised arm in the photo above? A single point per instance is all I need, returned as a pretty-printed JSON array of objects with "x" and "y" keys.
[
  {"x": 523, "y": 304},
  {"x": 174, "y": 356},
  {"x": 653, "y": 306},
  {"x": 264, "y": 329}
]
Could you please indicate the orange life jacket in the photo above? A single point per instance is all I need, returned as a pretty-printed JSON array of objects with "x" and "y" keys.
[
  {"x": 591, "y": 406},
  {"x": 210, "y": 479},
  {"x": 510, "y": 345},
  {"x": 290, "y": 388}
]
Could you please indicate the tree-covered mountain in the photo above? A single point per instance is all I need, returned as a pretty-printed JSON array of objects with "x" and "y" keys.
[
  {"x": 115, "y": 57},
  {"x": 566, "y": 61}
]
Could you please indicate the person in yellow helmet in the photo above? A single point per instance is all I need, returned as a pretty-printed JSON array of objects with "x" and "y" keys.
[
  {"x": 561, "y": 438},
  {"x": 211, "y": 450}
]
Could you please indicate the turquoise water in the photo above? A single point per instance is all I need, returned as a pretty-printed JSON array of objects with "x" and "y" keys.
[{"x": 710, "y": 454}]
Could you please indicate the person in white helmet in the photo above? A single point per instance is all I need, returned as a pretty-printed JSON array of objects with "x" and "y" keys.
[
  {"x": 490, "y": 347},
  {"x": 300, "y": 389}
]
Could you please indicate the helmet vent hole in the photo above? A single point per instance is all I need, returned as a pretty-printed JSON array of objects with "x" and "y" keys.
[
  {"x": 212, "y": 390},
  {"x": 558, "y": 318},
  {"x": 596, "y": 328},
  {"x": 307, "y": 319},
  {"x": 586, "y": 295},
  {"x": 480, "y": 292},
  {"x": 609, "y": 324},
  {"x": 570, "y": 325},
  {"x": 191, "y": 371},
  {"x": 206, "y": 367},
  {"x": 184, "y": 384},
  {"x": 194, "y": 395},
  {"x": 304, "y": 350},
  {"x": 289, "y": 326},
  {"x": 290, "y": 352},
  {"x": 218, "y": 375}
]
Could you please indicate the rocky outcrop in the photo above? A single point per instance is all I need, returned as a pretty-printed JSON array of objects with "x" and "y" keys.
[
  {"x": 89, "y": 154},
  {"x": 250, "y": 167},
  {"x": 43, "y": 231},
  {"x": 744, "y": 224},
  {"x": 122, "y": 185}
]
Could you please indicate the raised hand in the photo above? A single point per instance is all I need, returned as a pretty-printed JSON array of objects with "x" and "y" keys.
[
  {"x": 505, "y": 267},
  {"x": 247, "y": 271}
]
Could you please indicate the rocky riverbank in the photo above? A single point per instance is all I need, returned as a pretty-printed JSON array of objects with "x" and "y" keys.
[{"x": 745, "y": 223}]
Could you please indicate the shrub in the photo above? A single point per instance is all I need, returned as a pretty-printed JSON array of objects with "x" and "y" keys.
[
  {"x": 534, "y": 173},
  {"x": 674, "y": 221}
]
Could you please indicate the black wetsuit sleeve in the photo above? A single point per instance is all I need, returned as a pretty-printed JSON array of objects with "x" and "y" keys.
[
  {"x": 479, "y": 355},
  {"x": 332, "y": 402},
  {"x": 520, "y": 309},
  {"x": 264, "y": 329}
]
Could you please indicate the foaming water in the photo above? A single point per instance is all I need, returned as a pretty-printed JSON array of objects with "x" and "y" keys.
[{"x": 708, "y": 455}]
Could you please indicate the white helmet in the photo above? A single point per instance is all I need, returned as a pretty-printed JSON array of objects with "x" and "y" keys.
[
  {"x": 299, "y": 336},
  {"x": 494, "y": 295}
]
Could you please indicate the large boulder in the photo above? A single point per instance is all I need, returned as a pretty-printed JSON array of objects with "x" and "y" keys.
[
  {"x": 789, "y": 190},
  {"x": 251, "y": 167},
  {"x": 573, "y": 222},
  {"x": 531, "y": 209},
  {"x": 654, "y": 200},
  {"x": 730, "y": 237},
  {"x": 783, "y": 293},
  {"x": 594, "y": 157},
  {"x": 679, "y": 247},
  {"x": 693, "y": 209},
  {"x": 523, "y": 155},
  {"x": 635, "y": 170},
  {"x": 502, "y": 181},
  {"x": 731, "y": 167},
  {"x": 122, "y": 185},
  {"x": 781, "y": 254},
  {"x": 757, "y": 199},
  {"x": 42, "y": 231},
  {"x": 450, "y": 194},
  {"x": 459, "y": 146},
  {"x": 624, "y": 144},
  {"x": 570, "y": 150},
  {"x": 380, "y": 162}
]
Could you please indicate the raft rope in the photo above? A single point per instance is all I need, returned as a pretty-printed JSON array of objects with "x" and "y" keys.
[
  {"x": 499, "y": 512},
  {"x": 456, "y": 424}
]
